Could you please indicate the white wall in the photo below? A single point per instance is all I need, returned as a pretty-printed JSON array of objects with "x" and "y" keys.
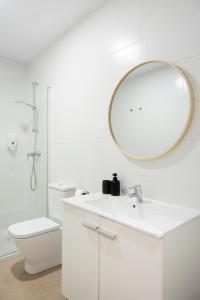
[
  {"x": 13, "y": 171},
  {"x": 84, "y": 67}
]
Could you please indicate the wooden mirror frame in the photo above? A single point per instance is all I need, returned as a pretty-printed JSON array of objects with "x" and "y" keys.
[{"x": 187, "y": 124}]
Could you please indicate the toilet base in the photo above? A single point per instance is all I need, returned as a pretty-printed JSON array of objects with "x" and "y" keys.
[
  {"x": 41, "y": 252},
  {"x": 35, "y": 269}
]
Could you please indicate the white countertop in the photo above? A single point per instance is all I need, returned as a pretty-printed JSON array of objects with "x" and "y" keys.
[{"x": 152, "y": 217}]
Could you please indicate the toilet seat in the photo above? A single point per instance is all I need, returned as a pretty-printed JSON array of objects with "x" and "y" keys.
[{"x": 32, "y": 228}]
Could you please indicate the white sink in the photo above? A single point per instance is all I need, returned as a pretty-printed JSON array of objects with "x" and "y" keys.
[
  {"x": 123, "y": 206},
  {"x": 151, "y": 216}
]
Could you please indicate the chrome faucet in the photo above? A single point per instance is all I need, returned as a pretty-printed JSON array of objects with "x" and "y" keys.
[{"x": 135, "y": 191}]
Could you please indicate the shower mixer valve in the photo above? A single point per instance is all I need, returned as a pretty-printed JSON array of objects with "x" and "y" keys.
[{"x": 33, "y": 154}]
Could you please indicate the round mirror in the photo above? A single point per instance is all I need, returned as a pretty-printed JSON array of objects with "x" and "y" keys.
[{"x": 150, "y": 110}]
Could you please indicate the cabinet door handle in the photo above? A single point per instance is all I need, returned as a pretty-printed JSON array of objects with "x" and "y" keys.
[
  {"x": 107, "y": 233},
  {"x": 89, "y": 225}
]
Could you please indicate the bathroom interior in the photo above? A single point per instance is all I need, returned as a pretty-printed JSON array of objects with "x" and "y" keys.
[{"x": 100, "y": 150}]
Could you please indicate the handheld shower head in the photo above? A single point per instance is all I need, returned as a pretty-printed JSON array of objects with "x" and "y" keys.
[{"x": 27, "y": 104}]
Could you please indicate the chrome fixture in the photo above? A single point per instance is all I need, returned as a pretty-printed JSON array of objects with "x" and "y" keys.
[
  {"x": 34, "y": 154},
  {"x": 25, "y": 103},
  {"x": 135, "y": 191}
]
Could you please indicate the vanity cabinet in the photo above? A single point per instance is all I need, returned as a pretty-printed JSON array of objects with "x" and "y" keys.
[
  {"x": 80, "y": 256},
  {"x": 105, "y": 260},
  {"x": 129, "y": 264},
  {"x": 115, "y": 262}
]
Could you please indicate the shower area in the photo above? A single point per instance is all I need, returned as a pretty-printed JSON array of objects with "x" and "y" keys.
[
  {"x": 23, "y": 150},
  {"x": 35, "y": 130}
]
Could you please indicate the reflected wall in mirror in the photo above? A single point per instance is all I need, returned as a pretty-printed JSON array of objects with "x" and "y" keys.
[{"x": 151, "y": 110}]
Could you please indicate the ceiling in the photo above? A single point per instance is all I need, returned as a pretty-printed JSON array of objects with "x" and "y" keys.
[{"x": 29, "y": 26}]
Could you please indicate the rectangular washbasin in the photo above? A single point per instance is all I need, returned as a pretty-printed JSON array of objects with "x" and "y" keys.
[{"x": 151, "y": 216}]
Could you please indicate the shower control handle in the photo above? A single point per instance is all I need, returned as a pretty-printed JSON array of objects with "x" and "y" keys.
[{"x": 33, "y": 154}]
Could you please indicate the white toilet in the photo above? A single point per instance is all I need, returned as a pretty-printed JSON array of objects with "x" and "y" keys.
[{"x": 40, "y": 239}]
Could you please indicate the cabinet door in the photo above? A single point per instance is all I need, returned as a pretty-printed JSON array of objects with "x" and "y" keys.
[
  {"x": 79, "y": 255},
  {"x": 130, "y": 263}
]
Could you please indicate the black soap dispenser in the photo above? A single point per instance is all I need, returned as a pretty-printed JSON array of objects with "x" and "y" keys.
[{"x": 115, "y": 186}]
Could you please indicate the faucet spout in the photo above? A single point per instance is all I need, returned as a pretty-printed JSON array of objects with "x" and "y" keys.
[{"x": 135, "y": 191}]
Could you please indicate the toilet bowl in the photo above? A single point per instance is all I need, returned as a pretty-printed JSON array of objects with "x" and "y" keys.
[{"x": 40, "y": 239}]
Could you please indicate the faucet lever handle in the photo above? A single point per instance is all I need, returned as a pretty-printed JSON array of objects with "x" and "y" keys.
[
  {"x": 137, "y": 187},
  {"x": 131, "y": 191},
  {"x": 135, "y": 191}
]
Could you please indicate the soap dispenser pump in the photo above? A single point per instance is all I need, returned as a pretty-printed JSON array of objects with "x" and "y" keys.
[{"x": 115, "y": 186}]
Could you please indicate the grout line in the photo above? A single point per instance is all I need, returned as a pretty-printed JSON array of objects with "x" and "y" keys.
[
  {"x": 48, "y": 88},
  {"x": 125, "y": 47},
  {"x": 187, "y": 58},
  {"x": 99, "y": 245},
  {"x": 141, "y": 20}
]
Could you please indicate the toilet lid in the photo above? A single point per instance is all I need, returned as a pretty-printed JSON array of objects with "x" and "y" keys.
[{"x": 32, "y": 227}]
